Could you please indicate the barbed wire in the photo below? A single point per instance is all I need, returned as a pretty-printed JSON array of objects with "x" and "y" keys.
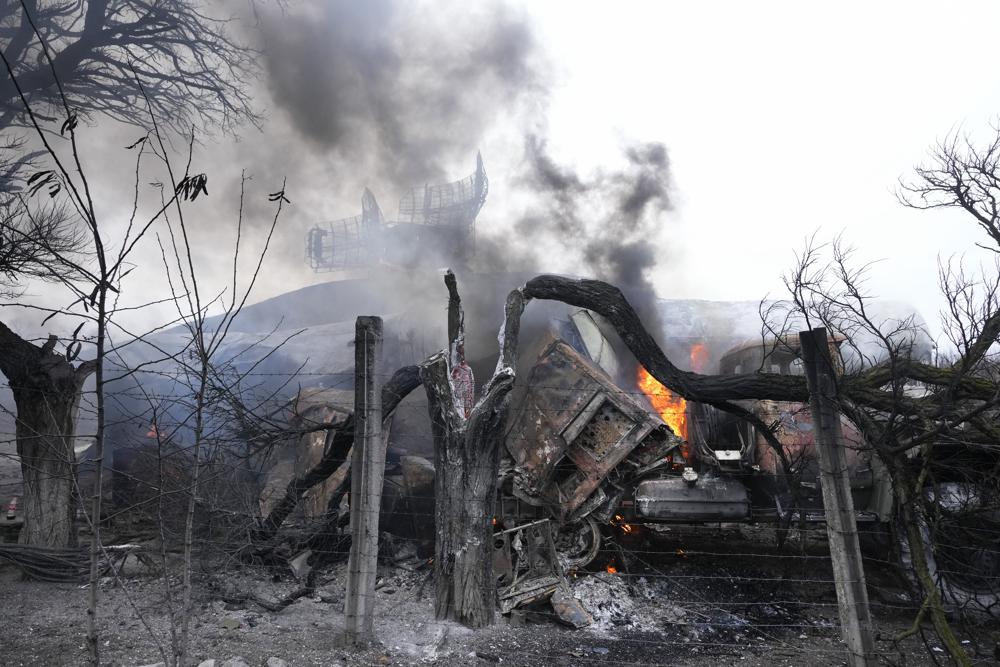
[{"x": 222, "y": 526}]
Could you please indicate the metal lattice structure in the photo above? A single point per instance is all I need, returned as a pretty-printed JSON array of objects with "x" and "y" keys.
[
  {"x": 454, "y": 205},
  {"x": 348, "y": 242},
  {"x": 440, "y": 215}
]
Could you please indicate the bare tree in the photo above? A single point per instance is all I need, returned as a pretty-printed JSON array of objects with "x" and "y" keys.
[
  {"x": 162, "y": 61},
  {"x": 47, "y": 386},
  {"x": 198, "y": 362},
  {"x": 31, "y": 240},
  {"x": 102, "y": 55},
  {"x": 922, "y": 431}
]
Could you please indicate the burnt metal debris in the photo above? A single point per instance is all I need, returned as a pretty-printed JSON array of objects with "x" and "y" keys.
[
  {"x": 528, "y": 570},
  {"x": 589, "y": 459},
  {"x": 577, "y": 445},
  {"x": 586, "y": 455},
  {"x": 573, "y": 429},
  {"x": 442, "y": 217}
]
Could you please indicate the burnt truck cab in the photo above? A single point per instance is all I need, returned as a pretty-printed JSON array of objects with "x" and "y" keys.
[
  {"x": 577, "y": 436},
  {"x": 783, "y": 484},
  {"x": 576, "y": 446},
  {"x": 586, "y": 449}
]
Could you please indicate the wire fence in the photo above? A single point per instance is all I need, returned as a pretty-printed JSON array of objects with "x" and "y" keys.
[{"x": 654, "y": 593}]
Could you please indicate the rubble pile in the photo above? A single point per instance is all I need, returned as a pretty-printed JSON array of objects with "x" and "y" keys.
[{"x": 611, "y": 604}]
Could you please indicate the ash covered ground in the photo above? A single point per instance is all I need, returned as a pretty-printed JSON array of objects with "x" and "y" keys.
[{"x": 682, "y": 596}]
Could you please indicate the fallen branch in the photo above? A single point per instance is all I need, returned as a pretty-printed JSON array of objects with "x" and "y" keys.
[
  {"x": 63, "y": 565},
  {"x": 339, "y": 441},
  {"x": 269, "y": 603}
]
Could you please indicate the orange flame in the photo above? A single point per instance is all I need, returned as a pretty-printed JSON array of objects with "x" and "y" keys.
[
  {"x": 699, "y": 357},
  {"x": 671, "y": 407},
  {"x": 612, "y": 569}
]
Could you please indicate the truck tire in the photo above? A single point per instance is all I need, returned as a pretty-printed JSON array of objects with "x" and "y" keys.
[{"x": 578, "y": 543}]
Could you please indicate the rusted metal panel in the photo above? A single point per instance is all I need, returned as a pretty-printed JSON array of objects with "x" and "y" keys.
[
  {"x": 795, "y": 432},
  {"x": 573, "y": 428},
  {"x": 598, "y": 348},
  {"x": 529, "y": 565}
]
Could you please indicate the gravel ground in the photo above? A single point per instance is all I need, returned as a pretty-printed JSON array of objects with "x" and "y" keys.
[{"x": 723, "y": 600}]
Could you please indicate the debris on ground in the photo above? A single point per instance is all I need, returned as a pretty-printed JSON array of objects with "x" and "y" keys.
[{"x": 699, "y": 610}]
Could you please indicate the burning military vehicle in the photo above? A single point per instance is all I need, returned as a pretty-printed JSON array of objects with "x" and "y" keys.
[
  {"x": 585, "y": 452},
  {"x": 596, "y": 441}
]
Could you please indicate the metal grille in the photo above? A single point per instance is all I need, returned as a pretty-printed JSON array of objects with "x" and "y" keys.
[
  {"x": 608, "y": 426},
  {"x": 336, "y": 245}
]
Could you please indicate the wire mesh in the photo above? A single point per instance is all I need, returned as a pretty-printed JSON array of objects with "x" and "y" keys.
[{"x": 440, "y": 216}]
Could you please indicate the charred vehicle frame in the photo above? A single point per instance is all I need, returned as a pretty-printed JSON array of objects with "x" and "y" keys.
[{"x": 585, "y": 454}]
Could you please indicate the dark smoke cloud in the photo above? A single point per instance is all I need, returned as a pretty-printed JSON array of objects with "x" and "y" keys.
[
  {"x": 622, "y": 250},
  {"x": 401, "y": 94},
  {"x": 608, "y": 222},
  {"x": 645, "y": 185},
  {"x": 399, "y": 89},
  {"x": 394, "y": 95},
  {"x": 559, "y": 185}
]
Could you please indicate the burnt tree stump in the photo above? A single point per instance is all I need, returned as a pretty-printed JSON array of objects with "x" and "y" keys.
[{"x": 466, "y": 461}]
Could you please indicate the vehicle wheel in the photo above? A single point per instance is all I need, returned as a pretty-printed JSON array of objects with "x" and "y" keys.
[
  {"x": 578, "y": 543},
  {"x": 960, "y": 536}
]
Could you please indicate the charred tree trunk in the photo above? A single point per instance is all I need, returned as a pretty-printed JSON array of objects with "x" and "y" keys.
[
  {"x": 46, "y": 388},
  {"x": 465, "y": 483},
  {"x": 608, "y": 301},
  {"x": 866, "y": 388},
  {"x": 466, "y": 461},
  {"x": 907, "y": 486}
]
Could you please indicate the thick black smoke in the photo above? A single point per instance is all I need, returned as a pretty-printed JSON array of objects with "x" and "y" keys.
[
  {"x": 608, "y": 222},
  {"x": 398, "y": 94},
  {"x": 623, "y": 248},
  {"x": 399, "y": 89}
]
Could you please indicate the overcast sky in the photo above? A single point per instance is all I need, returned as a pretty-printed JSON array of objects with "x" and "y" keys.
[{"x": 778, "y": 119}]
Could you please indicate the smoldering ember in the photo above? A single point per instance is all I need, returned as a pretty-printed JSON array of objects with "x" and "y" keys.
[{"x": 399, "y": 333}]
